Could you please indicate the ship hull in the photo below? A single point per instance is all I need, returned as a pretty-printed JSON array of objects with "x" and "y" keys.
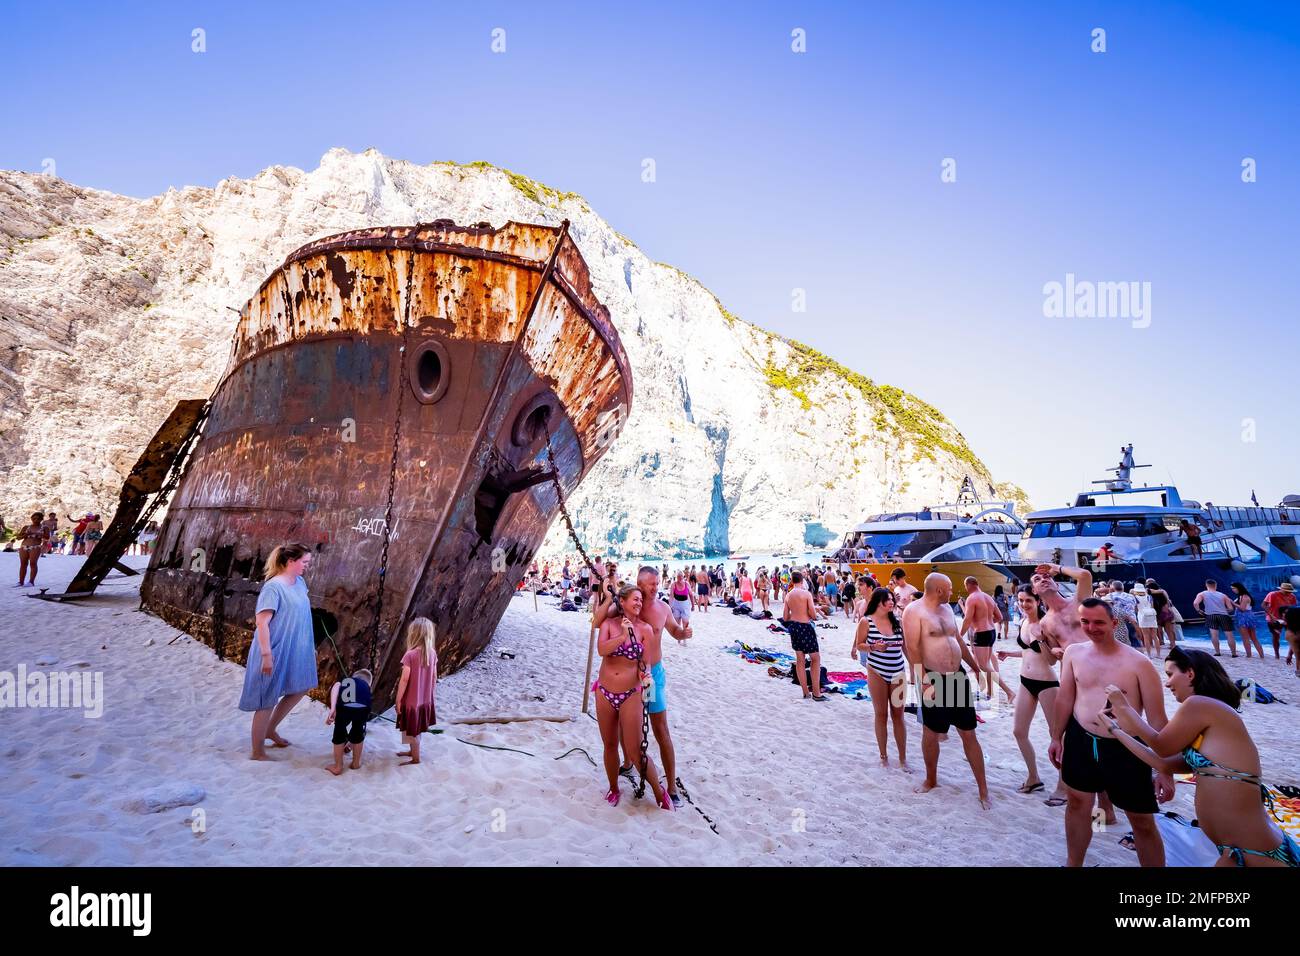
[{"x": 339, "y": 389}]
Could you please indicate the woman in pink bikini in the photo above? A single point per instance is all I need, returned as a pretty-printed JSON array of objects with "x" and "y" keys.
[{"x": 623, "y": 675}]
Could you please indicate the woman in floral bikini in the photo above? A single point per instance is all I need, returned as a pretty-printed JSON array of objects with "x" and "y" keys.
[{"x": 618, "y": 687}]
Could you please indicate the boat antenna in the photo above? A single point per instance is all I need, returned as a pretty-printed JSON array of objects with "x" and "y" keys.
[{"x": 1123, "y": 480}]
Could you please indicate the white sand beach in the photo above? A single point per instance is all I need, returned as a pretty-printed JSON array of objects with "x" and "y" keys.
[{"x": 786, "y": 781}]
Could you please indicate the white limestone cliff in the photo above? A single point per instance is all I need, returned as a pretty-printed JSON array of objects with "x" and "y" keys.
[{"x": 112, "y": 308}]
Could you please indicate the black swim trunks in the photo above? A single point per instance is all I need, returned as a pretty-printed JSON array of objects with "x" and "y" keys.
[
  {"x": 1091, "y": 764},
  {"x": 985, "y": 638},
  {"x": 803, "y": 637},
  {"x": 350, "y": 725},
  {"x": 953, "y": 704}
]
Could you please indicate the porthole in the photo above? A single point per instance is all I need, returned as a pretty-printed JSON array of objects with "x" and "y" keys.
[
  {"x": 533, "y": 420},
  {"x": 429, "y": 371}
]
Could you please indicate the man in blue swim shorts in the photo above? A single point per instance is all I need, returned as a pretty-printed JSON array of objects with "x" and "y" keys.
[{"x": 658, "y": 615}]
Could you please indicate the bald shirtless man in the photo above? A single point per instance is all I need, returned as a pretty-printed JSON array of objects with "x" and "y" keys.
[
  {"x": 1089, "y": 757},
  {"x": 981, "y": 620},
  {"x": 935, "y": 653},
  {"x": 798, "y": 613}
]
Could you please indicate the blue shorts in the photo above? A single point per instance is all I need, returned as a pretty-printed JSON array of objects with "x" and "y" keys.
[
  {"x": 832, "y": 591},
  {"x": 655, "y": 702}
]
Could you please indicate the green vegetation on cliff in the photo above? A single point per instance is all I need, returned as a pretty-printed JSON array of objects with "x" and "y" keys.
[
  {"x": 892, "y": 408},
  {"x": 537, "y": 192}
]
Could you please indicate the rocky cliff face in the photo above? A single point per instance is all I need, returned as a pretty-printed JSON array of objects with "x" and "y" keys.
[{"x": 112, "y": 308}]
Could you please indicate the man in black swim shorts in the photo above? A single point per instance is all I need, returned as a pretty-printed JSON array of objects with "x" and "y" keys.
[
  {"x": 1090, "y": 759},
  {"x": 936, "y": 654},
  {"x": 797, "y": 615},
  {"x": 952, "y": 705}
]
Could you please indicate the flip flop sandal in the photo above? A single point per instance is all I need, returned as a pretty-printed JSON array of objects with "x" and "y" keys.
[
  {"x": 1056, "y": 801},
  {"x": 1127, "y": 843},
  {"x": 1032, "y": 788}
]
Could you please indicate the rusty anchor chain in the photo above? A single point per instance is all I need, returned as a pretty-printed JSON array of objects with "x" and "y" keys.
[
  {"x": 640, "y": 788},
  {"x": 392, "y": 467}
]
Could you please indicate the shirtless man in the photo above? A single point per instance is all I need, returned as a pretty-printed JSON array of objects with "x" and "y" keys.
[
  {"x": 51, "y": 526},
  {"x": 1061, "y": 623},
  {"x": 831, "y": 588},
  {"x": 702, "y": 587},
  {"x": 658, "y": 615},
  {"x": 981, "y": 619},
  {"x": 935, "y": 654},
  {"x": 1089, "y": 757},
  {"x": 798, "y": 615},
  {"x": 904, "y": 592}
]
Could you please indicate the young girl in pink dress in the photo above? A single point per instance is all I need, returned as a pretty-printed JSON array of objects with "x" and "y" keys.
[{"x": 415, "y": 690}]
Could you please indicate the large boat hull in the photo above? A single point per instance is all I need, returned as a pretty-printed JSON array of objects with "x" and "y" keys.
[
  {"x": 344, "y": 388},
  {"x": 1183, "y": 579}
]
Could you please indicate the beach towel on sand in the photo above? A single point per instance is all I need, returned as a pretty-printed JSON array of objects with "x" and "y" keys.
[{"x": 849, "y": 683}]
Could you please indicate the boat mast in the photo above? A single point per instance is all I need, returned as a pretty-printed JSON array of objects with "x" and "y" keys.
[{"x": 1122, "y": 480}]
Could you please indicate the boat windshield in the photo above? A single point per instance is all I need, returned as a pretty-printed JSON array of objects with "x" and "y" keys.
[
  {"x": 911, "y": 545},
  {"x": 1135, "y": 527}
]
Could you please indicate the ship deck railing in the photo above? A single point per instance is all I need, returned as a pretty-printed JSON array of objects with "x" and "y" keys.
[{"x": 1234, "y": 517}]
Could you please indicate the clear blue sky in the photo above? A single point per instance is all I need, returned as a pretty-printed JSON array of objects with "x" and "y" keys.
[{"x": 818, "y": 171}]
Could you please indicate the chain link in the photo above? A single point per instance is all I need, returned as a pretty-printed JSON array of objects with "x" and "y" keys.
[
  {"x": 640, "y": 660},
  {"x": 564, "y": 507},
  {"x": 392, "y": 468}
]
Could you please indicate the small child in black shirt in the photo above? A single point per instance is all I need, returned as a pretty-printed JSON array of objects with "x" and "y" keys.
[{"x": 349, "y": 711}]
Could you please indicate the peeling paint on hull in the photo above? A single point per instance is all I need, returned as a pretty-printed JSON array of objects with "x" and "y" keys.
[{"x": 299, "y": 438}]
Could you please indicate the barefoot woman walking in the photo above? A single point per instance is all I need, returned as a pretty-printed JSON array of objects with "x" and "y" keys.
[{"x": 282, "y": 658}]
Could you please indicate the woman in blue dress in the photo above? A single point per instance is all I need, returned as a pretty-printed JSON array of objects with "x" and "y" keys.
[{"x": 281, "y": 664}]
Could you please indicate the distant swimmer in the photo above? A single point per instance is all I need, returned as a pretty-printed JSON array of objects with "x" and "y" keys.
[{"x": 936, "y": 654}]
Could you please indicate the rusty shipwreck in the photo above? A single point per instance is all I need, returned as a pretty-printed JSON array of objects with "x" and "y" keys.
[{"x": 463, "y": 371}]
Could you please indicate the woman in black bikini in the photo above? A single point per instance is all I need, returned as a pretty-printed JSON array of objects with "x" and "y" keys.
[
  {"x": 1038, "y": 656},
  {"x": 31, "y": 541},
  {"x": 623, "y": 675},
  {"x": 762, "y": 587}
]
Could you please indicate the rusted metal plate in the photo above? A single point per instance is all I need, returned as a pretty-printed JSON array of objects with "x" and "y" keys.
[
  {"x": 145, "y": 478},
  {"x": 299, "y": 439}
]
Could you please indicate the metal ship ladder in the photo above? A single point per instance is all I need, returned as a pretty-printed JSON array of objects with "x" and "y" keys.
[{"x": 154, "y": 475}]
